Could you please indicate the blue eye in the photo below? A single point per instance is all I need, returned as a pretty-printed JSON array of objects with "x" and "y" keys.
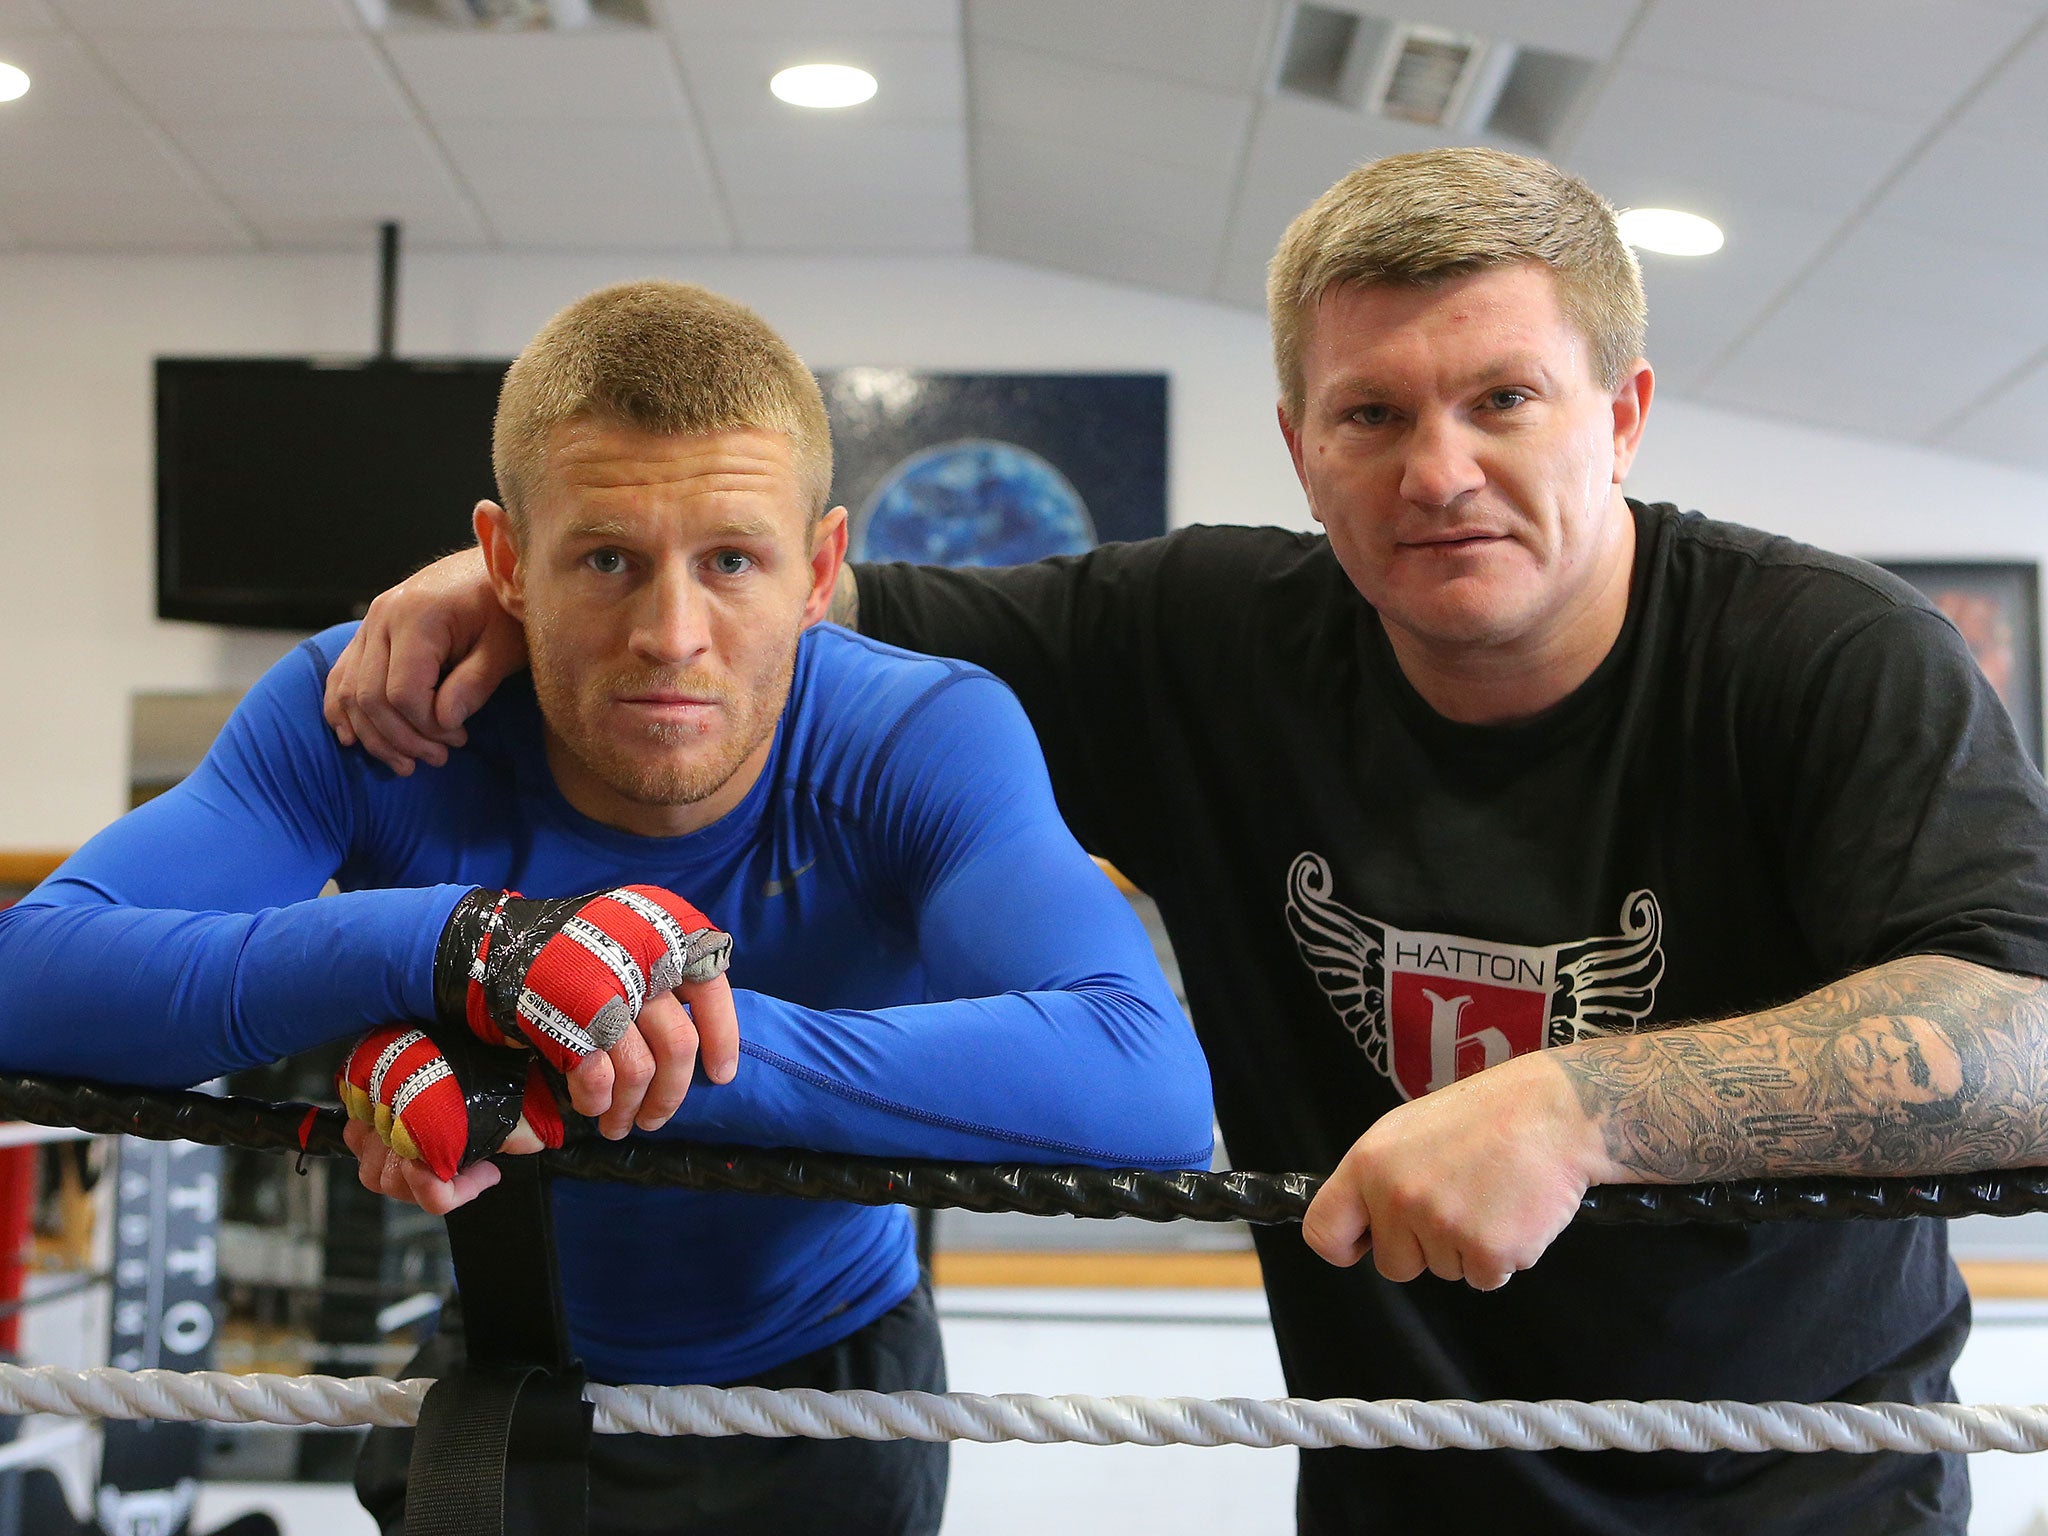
[
  {"x": 606, "y": 562},
  {"x": 730, "y": 562},
  {"x": 1505, "y": 399},
  {"x": 1372, "y": 415}
]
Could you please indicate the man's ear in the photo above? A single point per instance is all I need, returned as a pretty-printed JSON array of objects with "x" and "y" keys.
[
  {"x": 500, "y": 546},
  {"x": 1292, "y": 434},
  {"x": 828, "y": 553},
  {"x": 1631, "y": 407}
]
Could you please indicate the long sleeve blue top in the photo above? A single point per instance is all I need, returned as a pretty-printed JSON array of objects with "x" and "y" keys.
[{"x": 925, "y": 964}]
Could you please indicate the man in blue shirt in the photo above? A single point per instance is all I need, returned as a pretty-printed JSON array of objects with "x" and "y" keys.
[{"x": 924, "y": 962}]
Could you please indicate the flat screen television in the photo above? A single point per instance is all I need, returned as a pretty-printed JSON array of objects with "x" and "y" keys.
[{"x": 290, "y": 492}]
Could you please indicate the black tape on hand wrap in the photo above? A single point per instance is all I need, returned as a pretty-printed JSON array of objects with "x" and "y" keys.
[{"x": 448, "y": 1099}]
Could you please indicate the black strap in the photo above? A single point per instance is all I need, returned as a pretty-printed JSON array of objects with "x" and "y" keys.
[
  {"x": 503, "y": 1444},
  {"x": 456, "y": 1483},
  {"x": 503, "y": 1243}
]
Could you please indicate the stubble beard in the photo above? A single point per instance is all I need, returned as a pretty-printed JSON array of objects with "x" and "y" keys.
[{"x": 670, "y": 775}]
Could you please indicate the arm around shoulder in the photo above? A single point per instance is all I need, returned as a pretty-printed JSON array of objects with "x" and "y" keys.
[{"x": 430, "y": 651}]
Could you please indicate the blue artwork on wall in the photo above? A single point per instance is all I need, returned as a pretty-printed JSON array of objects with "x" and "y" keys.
[{"x": 995, "y": 469}]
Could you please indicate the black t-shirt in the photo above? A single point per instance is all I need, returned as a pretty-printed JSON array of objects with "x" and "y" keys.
[{"x": 1787, "y": 769}]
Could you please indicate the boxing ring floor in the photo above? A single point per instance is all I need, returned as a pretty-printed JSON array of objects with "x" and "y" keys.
[{"x": 1209, "y": 1342}]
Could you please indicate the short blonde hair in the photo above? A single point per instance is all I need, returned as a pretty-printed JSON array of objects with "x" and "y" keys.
[
  {"x": 663, "y": 357},
  {"x": 1421, "y": 219}
]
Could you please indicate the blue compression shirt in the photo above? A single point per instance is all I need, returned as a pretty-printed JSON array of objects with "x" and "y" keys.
[{"x": 925, "y": 964}]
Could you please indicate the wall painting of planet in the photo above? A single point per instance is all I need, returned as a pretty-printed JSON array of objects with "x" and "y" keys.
[{"x": 995, "y": 469}]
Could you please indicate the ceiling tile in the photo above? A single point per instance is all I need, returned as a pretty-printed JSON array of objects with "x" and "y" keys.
[
  {"x": 99, "y": 157},
  {"x": 921, "y": 79},
  {"x": 1968, "y": 183},
  {"x": 1743, "y": 143},
  {"x": 1587, "y": 29},
  {"x": 1038, "y": 200},
  {"x": 1115, "y": 189},
  {"x": 285, "y": 222},
  {"x": 842, "y": 157},
  {"x": 1299, "y": 149},
  {"x": 599, "y": 218},
  {"x": 1904, "y": 58},
  {"x": 66, "y": 83},
  {"x": 534, "y": 77},
  {"x": 1221, "y": 43},
  {"x": 1122, "y": 111},
  {"x": 782, "y": 18},
  {"x": 191, "y": 78},
  {"x": 896, "y": 225},
  {"x": 168, "y": 219},
  {"x": 1962, "y": 280},
  {"x": 1891, "y": 375},
  {"x": 590, "y": 185},
  {"x": 1701, "y": 306},
  {"x": 213, "y": 15},
  {"x": 321, "y": 184},
  {"x": 1125, "y": 254},
  {"x": 2011, "y": 424},
  {"x": 2013, "y": 106},
  {"x": 1626, "y": 183}
]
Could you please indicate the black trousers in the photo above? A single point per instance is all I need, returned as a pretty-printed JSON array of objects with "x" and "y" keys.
[{"x": 688, "y": 1485}]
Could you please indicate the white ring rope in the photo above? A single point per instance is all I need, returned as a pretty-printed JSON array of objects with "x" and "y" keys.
[{"x": 217, "y": 1397}]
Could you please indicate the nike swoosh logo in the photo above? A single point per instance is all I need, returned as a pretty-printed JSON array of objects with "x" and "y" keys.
[{"x": 772, "y": 888}]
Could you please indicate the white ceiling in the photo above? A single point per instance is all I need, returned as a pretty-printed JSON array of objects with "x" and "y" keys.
[{"x": 1880, "y": 166}]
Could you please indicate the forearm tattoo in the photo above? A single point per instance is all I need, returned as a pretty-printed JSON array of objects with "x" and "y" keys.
[
  {"x": 1922, "y": 1065},
  {"x": 845, "y": 607}
]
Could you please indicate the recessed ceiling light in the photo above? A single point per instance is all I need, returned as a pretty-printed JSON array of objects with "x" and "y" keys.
[
  {"x": 823, "y": 85},
  {"x": 1670, "y": 232},
  {"x": 13, "y": 83}
]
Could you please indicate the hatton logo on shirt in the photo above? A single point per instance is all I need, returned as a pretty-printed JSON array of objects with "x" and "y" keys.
[{"x": 1430, "y": 1008}]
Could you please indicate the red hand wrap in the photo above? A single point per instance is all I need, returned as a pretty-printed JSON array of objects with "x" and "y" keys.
[
  {"x": 447, "y": 1109},
  {"x": 569, "y": 976}
]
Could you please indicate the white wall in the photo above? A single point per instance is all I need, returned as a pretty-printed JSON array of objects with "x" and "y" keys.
[
  {"x": 77, "y": 335},
  {"x": 1853, "y": 494}
]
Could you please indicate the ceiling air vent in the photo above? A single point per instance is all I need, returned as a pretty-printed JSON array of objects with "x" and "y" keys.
[
  {"x": 1429, "y": 76},
  {"x": 1428, "y": 73}
]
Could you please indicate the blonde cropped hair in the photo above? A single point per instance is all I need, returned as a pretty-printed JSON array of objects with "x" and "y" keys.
[
  {"x": 1421, "y": 219},
  {"x": 663, "y": 357}
]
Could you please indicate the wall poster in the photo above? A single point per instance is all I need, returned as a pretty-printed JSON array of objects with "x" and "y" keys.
[
  {"x": 1996, "y": 605},
  {"x": 995, "y": 468}
]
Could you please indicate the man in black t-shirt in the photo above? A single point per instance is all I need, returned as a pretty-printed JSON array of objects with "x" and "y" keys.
[{"x": 1464, "y": 816}]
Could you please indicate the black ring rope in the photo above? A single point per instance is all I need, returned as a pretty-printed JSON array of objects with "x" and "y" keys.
[{"x": 1031, "y": 1188}]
